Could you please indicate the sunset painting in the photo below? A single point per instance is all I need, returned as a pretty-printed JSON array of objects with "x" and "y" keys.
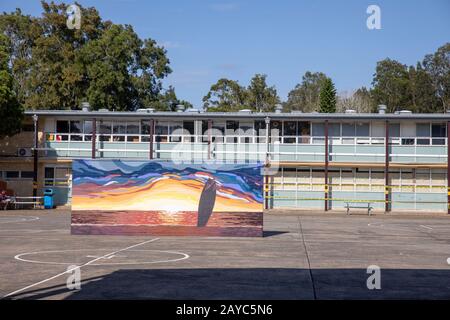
[{"x": 163, "y": 198}]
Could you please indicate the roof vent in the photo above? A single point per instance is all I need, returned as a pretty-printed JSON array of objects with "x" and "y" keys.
[
  {"x": 192, "y": 110},
  {"x": 145, "y": 110},
  {"x": 382, "y": 109},
  {"x": 350, "y": 111},
  {"x": 245, "y": 111},
  {"x": 405, "y": 112},
  {"x": 103, "y": 110},
  {"x": 180, "y": 108},
  {"x": 278, "y": 108},
  {"x": 85, "y": 107}
]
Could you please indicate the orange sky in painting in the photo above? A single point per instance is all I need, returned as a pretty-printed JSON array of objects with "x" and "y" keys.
[{"x": 167, "y": 194}]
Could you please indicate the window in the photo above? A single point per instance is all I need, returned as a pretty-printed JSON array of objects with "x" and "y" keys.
[
  {"x": 334, "y": 129},
  {"x": 438, "y": 131},
  {"x": 27, "y": 174},
  {"x": 318, "y": 129},
  {"x": 105, "y": 131},
  {"x": 62, "y": 126},
  {"x": 175, "y": 129},
  {"x": 133, "y": 131},
  {"x": 232, "y": 128},
  {"x": 289, "y": 131},
  {"x": 189, "y": 128},
  {"x": 161, "y": 131},
  {"x": 88, "y": 127},
  {"x": 260, "y": 130},
  {"x": 12, "y": 174},
  {"x": 394, "y": 130},
  {"x": 363, "y": 129},
  {"x": 303, "y": 131}
]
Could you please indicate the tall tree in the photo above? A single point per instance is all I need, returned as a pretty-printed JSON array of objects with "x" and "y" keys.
[
  {"x": 104, "y": 63},
  {"x": 438, "y": 67},
  {"x": 10, "y": 110},
  {"x": 305, "y": 96},
  {"x": 168, "y": 101},
  {"x": 360, "y": 100},
  {"x": 225, "y": 95},
  {"x": 260, "y": 97},
  {"x": 422, "y": 94},
  {"x": 327, "y": 97},
  {"x": 390, "y": 85}
]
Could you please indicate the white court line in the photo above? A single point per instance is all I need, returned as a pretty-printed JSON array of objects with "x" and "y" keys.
[
  {"x": 83, "y": 265},
  {"x": 21, "y": 219},
  {"x": 427, "y": 227}
]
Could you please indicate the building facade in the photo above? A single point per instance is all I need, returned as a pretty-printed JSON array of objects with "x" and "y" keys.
[{"x": 314, "y": 161}]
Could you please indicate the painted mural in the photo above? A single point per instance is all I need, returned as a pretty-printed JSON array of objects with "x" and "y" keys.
[{"x": 163, "y": 198}]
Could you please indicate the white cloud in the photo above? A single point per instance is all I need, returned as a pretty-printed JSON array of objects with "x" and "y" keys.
[{"x": 223, "y": 7}]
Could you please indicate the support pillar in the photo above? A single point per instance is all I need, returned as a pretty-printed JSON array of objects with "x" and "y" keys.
[
  {"x": 152, "y": 132},
  {"x": 94, "y": 137},
  {"x": 209, "y": 138},
  {"x": 326, "y": 165},
  {"x": 35, "y": 156},
  {"x": 386, "y": 169},
  {"x": 448, "y": 169}
]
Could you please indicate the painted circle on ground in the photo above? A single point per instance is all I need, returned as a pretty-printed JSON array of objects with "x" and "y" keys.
[
  {"x": 82, "y": 256},
  {"x": 14, "y": 219}
]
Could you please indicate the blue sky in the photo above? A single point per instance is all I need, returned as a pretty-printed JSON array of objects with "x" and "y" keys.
[{"x": 210, "y": 39}]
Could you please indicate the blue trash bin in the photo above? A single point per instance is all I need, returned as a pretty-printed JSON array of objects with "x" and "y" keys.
[{"x": 48, "y": 198}]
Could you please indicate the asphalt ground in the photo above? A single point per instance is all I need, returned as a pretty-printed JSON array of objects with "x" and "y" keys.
[{"x": 301, "y": 256}]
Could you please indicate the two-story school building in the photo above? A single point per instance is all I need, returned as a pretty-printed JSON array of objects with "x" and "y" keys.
[{"x": 317, "y": 161}]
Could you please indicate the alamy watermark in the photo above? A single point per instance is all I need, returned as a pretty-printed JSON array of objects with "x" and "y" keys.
[
  {"x": 73, "y": 17},
  {"x": 373, "y": 22},
  {"x": 374, "y": 280}
]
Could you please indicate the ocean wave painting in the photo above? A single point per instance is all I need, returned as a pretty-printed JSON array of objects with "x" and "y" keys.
[{"x": 155, "y": 197}]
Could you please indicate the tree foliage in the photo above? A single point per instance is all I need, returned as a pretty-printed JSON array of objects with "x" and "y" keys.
[
  {"x": 104, "y": 63},
  {"x": 327, "y": 97},
  {"x": 305, "y": 95},
  {"x": 228, "y": 95},
  {"x": 10, "y": 110}
]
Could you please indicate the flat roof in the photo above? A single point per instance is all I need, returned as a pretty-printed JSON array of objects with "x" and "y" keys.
[{"x": 235, "y": 115}]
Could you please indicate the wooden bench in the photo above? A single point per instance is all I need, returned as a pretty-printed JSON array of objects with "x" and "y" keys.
[
  {"x": 22, "y": 202},
  {"x": 359, "y": 205}
]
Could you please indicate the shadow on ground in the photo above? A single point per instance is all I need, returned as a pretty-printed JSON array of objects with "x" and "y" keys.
[{"x": 253, "y": 283}]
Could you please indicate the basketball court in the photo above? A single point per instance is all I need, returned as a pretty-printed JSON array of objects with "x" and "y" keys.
[{"x": 301, "y": 256}]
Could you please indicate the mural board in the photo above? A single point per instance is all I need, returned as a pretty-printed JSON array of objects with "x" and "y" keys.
[{"x": 121, "y": 197}]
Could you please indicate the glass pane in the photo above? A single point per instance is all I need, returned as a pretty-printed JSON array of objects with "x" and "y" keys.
[
  {"x": 105, "y": 127},
  {"x": 348, "y": 129},
  {"x": 334, "y": 129},
  {"x": 394, "y": 130},
  {"x": 304, "y": 128},
  {"x": 145, "y": 127},
  {"x": 362, "y": 129},
  {"x": 12, "y": 174},
  {"x": 88, "y": 126},
  {"x": 27, "y": 174},
  {"x": 423, "y": 141},
  {"x": 423, "y": 130},
  {"x": 438, "y": 130},
  {"x": 119, "y": 127},
  {"x": 318, "y": 129},
  {"x": 275, "y": 128},
  {"x": 132, "y": 127},
  {"x": 290, "y": 128},
  {"x": 62, "y": 126},
  {"x": 49, "y": 173},
  {"x": 188, "y": 126},
  {"x": 76, "y": 127},
  {"x": 161, "y": 128}
]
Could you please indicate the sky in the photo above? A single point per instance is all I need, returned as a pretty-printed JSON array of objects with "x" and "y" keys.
[{"x": 210, "y": 39}]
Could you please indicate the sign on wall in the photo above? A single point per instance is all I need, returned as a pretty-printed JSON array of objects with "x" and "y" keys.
[{"x": 118, "y": 197}]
